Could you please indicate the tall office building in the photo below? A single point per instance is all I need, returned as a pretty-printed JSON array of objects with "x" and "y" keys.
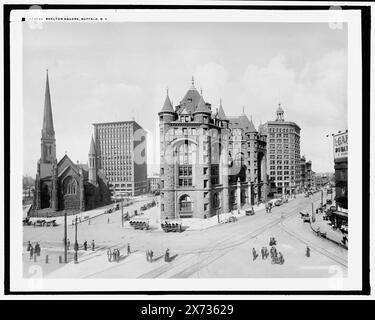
[
  {"x": 121, "y": 154},
  {"x": 283, "y": 149}
]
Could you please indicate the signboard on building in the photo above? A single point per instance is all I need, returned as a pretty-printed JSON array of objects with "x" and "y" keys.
[{"x": 340, "y": 145}]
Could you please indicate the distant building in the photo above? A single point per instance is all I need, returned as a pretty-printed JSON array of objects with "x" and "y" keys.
[
  {"x": 121, "y": 148},
  {"x": 341, "y": 170},
  {"x": 303, "y": 179},
  {"x": 321, "y": 180},
  {"x": 153, "y": 183},
  {"x": 283, "y": 149},
  {"x": 64, "y": 185},
  {"x": 209, "y": 163}
]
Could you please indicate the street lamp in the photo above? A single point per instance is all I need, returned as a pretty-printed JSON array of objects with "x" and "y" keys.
[
  {"x": 65, "y": 238},
  {"x": 76, "y": 243},
  {"x": 122, "y": 213}
]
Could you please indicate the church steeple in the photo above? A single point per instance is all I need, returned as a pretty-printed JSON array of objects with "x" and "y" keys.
[
  {"x": 47, "y": 131},
  {"x": 92, "y": 162},
  {"x": 48, "y": 142}
]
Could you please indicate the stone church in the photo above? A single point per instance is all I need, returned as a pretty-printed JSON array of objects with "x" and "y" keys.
[{"x": 63, "y": 185}]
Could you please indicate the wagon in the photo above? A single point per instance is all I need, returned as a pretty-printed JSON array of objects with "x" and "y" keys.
[
  {"x": 171, "y": 227},
  {"x": 140, "y": 224},
  {"x": 249, "y": 212}
]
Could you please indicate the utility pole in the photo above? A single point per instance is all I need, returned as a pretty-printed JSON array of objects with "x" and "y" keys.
[
  {"x": 122, "y": 213},
  {"x": 76, "y": 243},
  {"x": 312, "y": 210},
  {"x": 65, "y": 238}
]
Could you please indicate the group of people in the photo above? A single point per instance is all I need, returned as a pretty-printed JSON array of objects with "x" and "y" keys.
[
  {"x": 276, "y": 257},
  {"x": 85, "y": 245},
  {"x": 33, "y": 250},
  {"x": 113, "y": 255}
]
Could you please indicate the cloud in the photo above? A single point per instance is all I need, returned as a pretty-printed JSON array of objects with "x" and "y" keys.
[
  {"x": 314, "y": 97},
  {"x": 213, "y": 79}
]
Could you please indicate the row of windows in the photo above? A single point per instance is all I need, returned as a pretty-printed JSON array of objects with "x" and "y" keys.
[{"x": 283, "y": 130}]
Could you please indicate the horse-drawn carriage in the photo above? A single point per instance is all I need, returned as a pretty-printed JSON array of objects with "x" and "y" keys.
[
  {"x": 171, "y": 226},
  {"x": 250, "y": 212},
  {"x": 26, "y": 221},
  {"x": 140, "y": 224},
  {"x": 305, "y": 217}
]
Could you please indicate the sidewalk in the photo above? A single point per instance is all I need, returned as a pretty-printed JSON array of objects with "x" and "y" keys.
[{"x": 335, "y": 235}]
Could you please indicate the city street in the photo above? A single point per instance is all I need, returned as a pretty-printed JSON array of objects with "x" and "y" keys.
[{"x": 222, "y": 251}]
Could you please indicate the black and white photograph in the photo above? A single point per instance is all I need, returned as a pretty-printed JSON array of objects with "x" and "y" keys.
[{"x": 188, "y": 149}]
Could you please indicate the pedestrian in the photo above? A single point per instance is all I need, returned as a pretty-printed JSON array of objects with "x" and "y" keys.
[
  {"x": 266, "y": 252},
  {"x": 129, "y": 249},
  {"x": 147, "y": 255},
  {"x": 109, "y": 254},
  {"x": 37, "y": 249},
  {"x": 151, "y": 253},
  {"x": 166, "y": 256},
  {"x": 255, "y": 255},
  {"x": 307, "y": 251},
  {"x": 29, "y": 246},
  {"x": 281, "y": 258},
  {"x": 31, "y": 252},
  {"x": 68, "y": 244},
  {"x": 92, "y": 245},
  {"x": 85, "y": 245},
  {"x": 118, "y": 255},
  {"x": 262, "y": 252}
]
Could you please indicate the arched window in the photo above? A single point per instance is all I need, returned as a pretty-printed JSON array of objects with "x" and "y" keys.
[
  {"x": 70, "y": 186},
  {"x": 185, "y": 203},
  {"x": 186, "y": 153}
]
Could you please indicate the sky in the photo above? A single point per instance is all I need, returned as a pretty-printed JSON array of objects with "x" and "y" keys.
[{"x": 101, "y": 72}]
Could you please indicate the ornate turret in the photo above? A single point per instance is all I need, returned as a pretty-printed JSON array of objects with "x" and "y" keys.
[
  {"x": 167, "y": 113},
  {"x": 201, "y": 111},
  {"x": 92, "y": 163},
  {"x": 279, "y": 113}
]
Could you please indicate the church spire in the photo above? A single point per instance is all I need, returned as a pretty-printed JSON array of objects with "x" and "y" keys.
[
  {"x": 92, "y": 147},
  {"x": 47, "y": 131}
]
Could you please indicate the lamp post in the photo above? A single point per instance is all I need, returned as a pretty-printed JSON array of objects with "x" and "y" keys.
[
  {"x": 76, "y": 243},
  {"x": 122, "y": 213},
  {"x": 65, "y": 238}
]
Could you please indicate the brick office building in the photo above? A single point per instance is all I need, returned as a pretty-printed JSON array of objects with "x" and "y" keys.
[
  {"x": 204, "y": 159},
  {"x": 121, "y": 148},
  {"x": 63, "y": 185}
]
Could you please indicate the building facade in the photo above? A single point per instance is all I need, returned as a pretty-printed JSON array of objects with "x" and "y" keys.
[
  {"x": 121, "y": 148},
  {"x": 283, "y": 149},
  {"x": 63, "y": 185},
  {"x": 153, "y": 183},
  {"x": 341, "y": 170},
  {"x": 203, "y": 154}
]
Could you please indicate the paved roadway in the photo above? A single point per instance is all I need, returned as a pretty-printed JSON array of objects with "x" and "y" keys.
[{"x": 220, "y": 251}]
